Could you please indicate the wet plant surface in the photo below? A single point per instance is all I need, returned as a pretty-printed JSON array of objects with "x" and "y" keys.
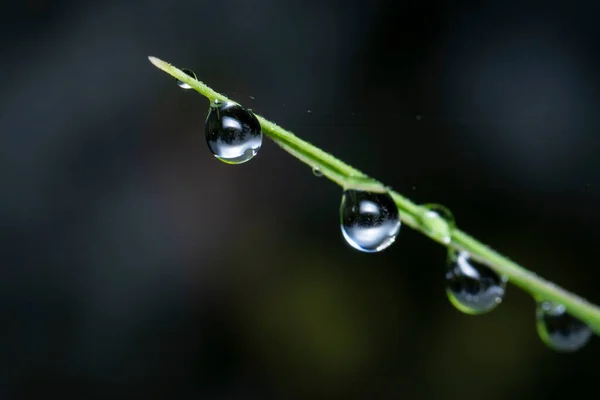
[
  {"x": 370, "y": 221},
  {"x": 135, "y": 263}
]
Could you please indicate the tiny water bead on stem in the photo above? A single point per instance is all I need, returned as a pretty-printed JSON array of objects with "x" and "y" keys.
[
  {"x": 410, "y": 213},
  {"x": 317, "y": 172},
  {"x": 439, "y": 222}
]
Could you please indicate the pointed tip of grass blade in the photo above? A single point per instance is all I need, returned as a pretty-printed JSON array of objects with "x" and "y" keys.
[
  {"x": 164, "y": 66},
  {"x": 157, "y": 62}
]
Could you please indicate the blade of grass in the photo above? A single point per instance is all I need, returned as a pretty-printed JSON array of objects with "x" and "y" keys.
[{"x": 411, "y": 214}]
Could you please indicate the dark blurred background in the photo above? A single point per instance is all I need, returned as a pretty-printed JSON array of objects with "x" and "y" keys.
[{"x": 136, "y": 265}]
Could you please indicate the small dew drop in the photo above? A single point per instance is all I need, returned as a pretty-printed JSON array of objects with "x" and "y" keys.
[
  {"x": 473, "y": 288},
  {"x": 437, "y": 227},
  {"x": 370, "y": 221},
  {"x": 233, "y": 133},
  {"x": 439, "y": 221},
  {"x": 184, "y": 85},
  {"x": 559, "y": 330},
  {"x": 442, "y": 212},
  {"x": 317, "y": 172}
]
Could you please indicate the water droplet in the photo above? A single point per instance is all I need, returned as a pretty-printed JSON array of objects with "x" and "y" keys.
[
  {"x": 472, "y": 287},
  {"x": 437, "y": 227},
  {"x": 442, "y": 211},
  {"x": 184, "y": 85},
  {"x": 559, "y": 330},
  {"x": 317, "y": 172},
  {"x": 233, "y": 133},
  {"x": 370, "y": 221},
  {"x": 439, "y": 222}
]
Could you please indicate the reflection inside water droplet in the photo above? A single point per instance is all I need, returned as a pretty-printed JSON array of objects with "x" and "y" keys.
[
  {"x": 317, "y": 172},
  {"x": 559, "y": 330},
  {"x": 370, "y": 222},
  {"x": 233, "y": 133},
  {"x": 472, "y": 287},
  {"x": 182, "y": 84}
]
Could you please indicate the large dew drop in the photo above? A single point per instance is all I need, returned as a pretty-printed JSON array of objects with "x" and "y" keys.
[
  {"x": 233, "y": 133},
  {"x": 473, "y": 288},
  {"x": 182, "y": 84},
  {"x": 370, "y": 221},
  {"x": 559, "y": 330}
]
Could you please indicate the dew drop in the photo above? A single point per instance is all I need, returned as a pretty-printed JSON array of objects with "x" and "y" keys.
[
  {"x": 182, "y": 84},
  {"x": 317, "y": 172},
  {"x": 559, "y": 330},
  {"x": 370, "y": 221},
  {"x": 442, "y": 212},
  {"x": 233, "y": 133},
  {"x": 439, "y": 222},
  {"x": 472, "y": 287}
]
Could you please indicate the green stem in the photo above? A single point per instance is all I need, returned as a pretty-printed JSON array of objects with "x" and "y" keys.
[{"x": 411, "y": 214}]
